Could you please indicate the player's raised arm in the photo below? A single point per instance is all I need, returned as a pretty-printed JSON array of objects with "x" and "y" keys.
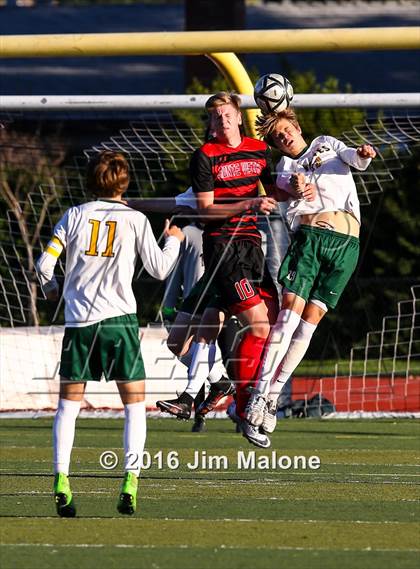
[
  {"x": 159, "y": 262},
  {"x": 358, "y": 158}
]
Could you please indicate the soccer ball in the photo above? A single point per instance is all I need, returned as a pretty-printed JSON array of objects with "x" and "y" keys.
[{"x": 273, "y": 93}]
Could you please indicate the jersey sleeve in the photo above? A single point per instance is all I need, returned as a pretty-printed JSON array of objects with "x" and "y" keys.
[
  {"x": 61, "y": 229},
  {"x": 201, "y": 174},
  {"x": 46, "y": 263},
  {"x": 349, "y": 155},
  {"x": 157, "y": 262}
]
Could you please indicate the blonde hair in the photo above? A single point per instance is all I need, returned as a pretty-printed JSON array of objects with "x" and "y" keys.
[
  {"x": 107, "y": 174},
  {"x": 266, "y": 124},
  {"x": 223, "y": 98}
]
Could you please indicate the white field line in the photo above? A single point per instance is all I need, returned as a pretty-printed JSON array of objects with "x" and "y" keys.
[
  {"x": 40, "y": 493},
  {"x": 230, "y": 520},
  {"x": 151, "y": 450},
  {"x": 221, "y": 546},
  {"x": 317, "y": 475}
]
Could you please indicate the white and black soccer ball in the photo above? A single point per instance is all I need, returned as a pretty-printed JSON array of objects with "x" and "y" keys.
[{"x": 273, "y": 93}]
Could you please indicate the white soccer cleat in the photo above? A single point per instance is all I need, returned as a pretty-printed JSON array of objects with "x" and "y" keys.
[
  {"x": 254, "y": 410},
  {"x": 270, "y": 415},
  {"x": 254, "y": 435}
]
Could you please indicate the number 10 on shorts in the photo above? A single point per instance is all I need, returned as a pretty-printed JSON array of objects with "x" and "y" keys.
[{"x": 244, "y": 289}]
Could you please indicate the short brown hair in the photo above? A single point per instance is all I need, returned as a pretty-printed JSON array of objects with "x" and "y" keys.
[
  {"x": 107, "y": 174},
  {"x": 223, "y": 98},
  {"x": 266, "y": 124}
]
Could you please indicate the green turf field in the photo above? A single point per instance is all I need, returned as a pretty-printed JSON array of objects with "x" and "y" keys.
[{"x": 358, "y": 510}]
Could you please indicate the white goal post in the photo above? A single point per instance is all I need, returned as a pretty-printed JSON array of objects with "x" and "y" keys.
[{"x": 167, "y": 102}]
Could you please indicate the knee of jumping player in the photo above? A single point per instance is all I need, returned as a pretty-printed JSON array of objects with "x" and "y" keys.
[
  {"x": 181, "y": 334},
  {"x": 178, "y": 348}
]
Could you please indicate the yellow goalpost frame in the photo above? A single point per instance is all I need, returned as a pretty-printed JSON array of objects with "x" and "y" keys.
[{"x": 217, "y": 45}]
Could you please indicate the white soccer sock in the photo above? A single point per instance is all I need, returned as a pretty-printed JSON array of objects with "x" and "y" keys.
[
  {"x": 202, "y": 363},
  {"x": 218, "y": 370},
  {"x": 276, "y": 347},
  {"x": 134, "y": 436},
  {"x": 297, "y": 349},
  {"x": 63, "y": 433}
]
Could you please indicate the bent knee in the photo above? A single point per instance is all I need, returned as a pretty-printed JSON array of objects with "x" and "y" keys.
[{"x": 261, "y": 330}]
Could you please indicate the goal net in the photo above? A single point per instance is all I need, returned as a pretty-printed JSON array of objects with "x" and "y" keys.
[{"x": 372, "y": 367}]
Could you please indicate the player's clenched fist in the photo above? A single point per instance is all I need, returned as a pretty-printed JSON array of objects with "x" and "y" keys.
[
  {"x": 366, "y": 151},
  {"x": 173, "y": 231}
]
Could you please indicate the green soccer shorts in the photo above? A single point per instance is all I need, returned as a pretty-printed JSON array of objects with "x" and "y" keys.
[
  {"x": 319, "y": 264},
  {"x": 110, "y": 347}
]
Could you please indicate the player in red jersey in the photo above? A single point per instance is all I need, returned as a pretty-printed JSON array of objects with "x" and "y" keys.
[{"x": 225, "y": 173}]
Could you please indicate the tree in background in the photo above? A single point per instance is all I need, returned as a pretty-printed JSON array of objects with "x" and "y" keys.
[{"x": 29, "y": 186}]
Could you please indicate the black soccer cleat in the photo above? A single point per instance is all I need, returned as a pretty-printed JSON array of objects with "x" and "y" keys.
[
  {"x": 217, "y": 392},
  {"x": 176, "y": 407},
  {"x": 199, "y": 425}
]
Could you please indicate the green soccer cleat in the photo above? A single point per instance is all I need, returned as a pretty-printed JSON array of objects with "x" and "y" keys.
[
  {"x": 128, "y": 497},
  {"x": 63, "y": 497}
]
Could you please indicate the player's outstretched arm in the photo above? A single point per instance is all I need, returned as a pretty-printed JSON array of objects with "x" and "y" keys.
[
  {"x": 159, "y": 262},
  {"x": 209, "y": 211},
  {"x": 359, "y": 158},
  {"x": 152, "y": 205}
]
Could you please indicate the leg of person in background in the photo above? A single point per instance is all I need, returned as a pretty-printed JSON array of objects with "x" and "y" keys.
[
  {"x": 199, "y": 424},
  {"x": 181, "y": 342},
  {"x": 203, "y": 356},
  {"x": 222, "y": 387},
  {"x": 71, "y": 395},
  {"x": 181, "y": 335},
  {"x": 132, "y": 395}
]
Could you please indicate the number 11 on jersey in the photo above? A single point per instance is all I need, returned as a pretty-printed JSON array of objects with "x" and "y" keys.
[{"x": 93, "y": 245}]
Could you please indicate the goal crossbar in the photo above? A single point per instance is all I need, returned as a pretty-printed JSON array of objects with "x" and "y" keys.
[{"x": 167, "y": 102}]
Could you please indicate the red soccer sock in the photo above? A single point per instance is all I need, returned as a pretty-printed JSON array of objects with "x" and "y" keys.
[{"x": 247, "y": 361}]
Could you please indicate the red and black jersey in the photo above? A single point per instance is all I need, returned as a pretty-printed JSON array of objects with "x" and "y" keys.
[{"x": 233, "y": 175}]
